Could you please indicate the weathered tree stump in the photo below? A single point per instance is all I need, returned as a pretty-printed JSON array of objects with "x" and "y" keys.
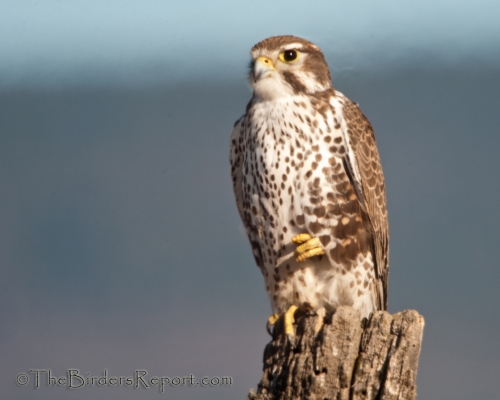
[{"x": 347, "y": 359}]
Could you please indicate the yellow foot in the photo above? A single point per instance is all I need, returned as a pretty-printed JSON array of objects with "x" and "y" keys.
[
  {"x": 289, "y": 320},
  {"x": 310, "y": 247},
  {"x": 320, "y": 312},
  {"x": 270, "y": 322}
]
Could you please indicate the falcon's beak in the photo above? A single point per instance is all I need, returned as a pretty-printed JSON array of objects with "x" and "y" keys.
[{"x": 262, "y": 66}]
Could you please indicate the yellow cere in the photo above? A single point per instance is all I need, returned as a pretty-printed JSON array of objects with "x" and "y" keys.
[{"x": 265, "y": 61}]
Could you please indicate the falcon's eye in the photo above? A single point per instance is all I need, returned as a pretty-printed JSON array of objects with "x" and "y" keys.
[{"x": 289, "y": 55}]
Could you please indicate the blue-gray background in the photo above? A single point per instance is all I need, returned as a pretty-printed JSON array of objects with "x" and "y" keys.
[{"x": 120, "y": 244}]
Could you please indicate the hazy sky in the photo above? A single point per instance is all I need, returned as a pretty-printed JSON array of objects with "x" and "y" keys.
[
  {"x": 120, "y": 244},
  {"x": 53, "y": 42}
]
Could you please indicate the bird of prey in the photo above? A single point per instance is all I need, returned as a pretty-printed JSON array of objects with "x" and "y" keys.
[{"x": 309, "y": 185}]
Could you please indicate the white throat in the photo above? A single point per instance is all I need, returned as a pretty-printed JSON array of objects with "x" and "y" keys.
[{"x": 271, "y": 87}]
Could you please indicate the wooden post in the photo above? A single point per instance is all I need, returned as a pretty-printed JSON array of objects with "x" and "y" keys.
[{"x": 345, "y": 360}]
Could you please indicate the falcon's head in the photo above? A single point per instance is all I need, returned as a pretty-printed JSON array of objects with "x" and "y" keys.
[{"x": 287, "y": 65}]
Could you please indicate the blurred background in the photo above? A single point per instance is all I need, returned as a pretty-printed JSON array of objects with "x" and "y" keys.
[{"x": 120, "y": 243}]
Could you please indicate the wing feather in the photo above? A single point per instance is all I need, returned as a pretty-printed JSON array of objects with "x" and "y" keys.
[
  {"x": 365, "y": 170},
  {"x": 236, "y": 161}
]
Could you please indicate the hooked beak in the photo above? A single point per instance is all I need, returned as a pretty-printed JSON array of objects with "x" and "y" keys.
[{"x": 262, "y": 68}]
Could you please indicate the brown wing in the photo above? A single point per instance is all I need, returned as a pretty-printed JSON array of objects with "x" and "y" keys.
[
  {"x": 366, "y": 173},
  {"x": 236, "y": 161}
]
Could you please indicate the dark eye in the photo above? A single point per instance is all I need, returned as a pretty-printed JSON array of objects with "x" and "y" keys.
[{"x": 289, "y": 55}]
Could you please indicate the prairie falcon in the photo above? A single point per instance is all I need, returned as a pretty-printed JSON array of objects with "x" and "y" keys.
[{"x": 309, "y": 185}]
